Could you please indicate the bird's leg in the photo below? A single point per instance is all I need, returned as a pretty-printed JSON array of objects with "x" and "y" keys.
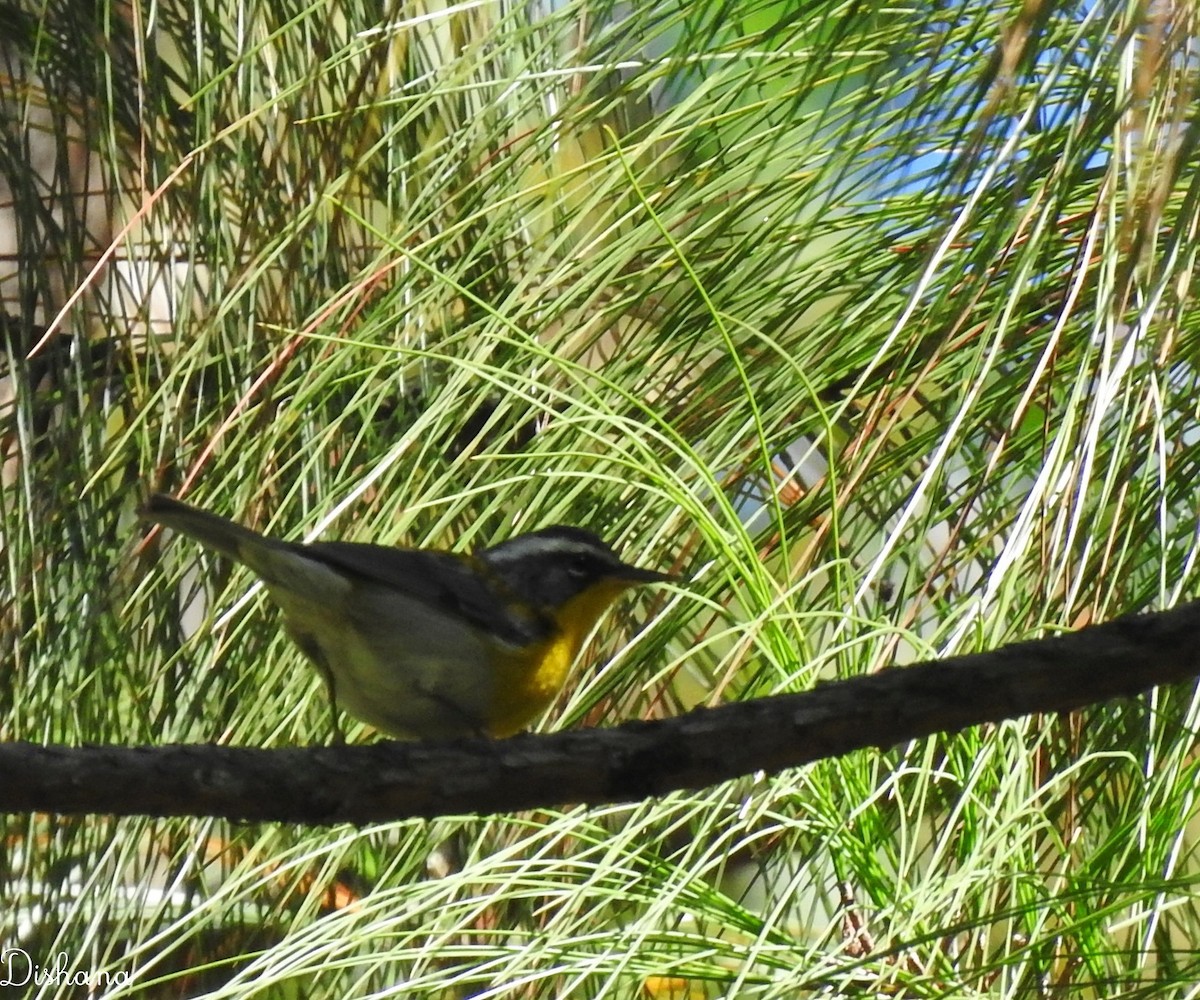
[
  {"x": 312, "y": 649},
  {"x": 471, "y": 725}
]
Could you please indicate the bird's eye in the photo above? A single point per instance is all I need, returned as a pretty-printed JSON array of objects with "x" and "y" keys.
[{"x": 580, "y": 567}]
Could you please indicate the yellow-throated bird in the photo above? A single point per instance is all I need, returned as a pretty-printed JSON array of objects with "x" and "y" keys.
[{"x": 424, "y": 644}]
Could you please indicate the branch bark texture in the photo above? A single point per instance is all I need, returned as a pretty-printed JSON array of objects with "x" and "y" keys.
[{"x": 390, "y": 780}]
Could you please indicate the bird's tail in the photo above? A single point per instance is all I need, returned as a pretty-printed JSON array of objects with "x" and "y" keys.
[{"x": 211, "y": 530}]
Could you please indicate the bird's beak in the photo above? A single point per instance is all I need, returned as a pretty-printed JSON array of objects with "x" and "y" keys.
[{"x": 636, "y": 575}]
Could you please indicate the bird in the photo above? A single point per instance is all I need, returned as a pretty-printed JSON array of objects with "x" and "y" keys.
[{"x": 425, "y": 644}]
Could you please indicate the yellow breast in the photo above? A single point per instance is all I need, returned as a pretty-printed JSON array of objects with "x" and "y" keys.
[{"x": 527, "y": 679}]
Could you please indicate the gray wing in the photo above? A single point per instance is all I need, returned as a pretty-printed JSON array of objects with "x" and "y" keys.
[{"x": 458, "y": 586}]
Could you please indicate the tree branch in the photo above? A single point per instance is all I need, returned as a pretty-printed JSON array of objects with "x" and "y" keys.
[{"x": 390, "y": 780}]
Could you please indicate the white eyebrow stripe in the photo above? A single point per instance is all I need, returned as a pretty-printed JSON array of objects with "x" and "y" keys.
[{"x": 532, "y": 547}]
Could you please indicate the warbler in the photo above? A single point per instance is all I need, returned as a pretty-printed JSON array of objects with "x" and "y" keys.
[{"x": 425, "y": 644}]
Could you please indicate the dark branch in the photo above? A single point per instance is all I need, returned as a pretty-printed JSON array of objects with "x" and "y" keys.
[{"x": 393, "y": 780}]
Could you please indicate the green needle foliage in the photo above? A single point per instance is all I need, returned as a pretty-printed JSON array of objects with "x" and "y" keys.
[{"x": 873, "y": 322}]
